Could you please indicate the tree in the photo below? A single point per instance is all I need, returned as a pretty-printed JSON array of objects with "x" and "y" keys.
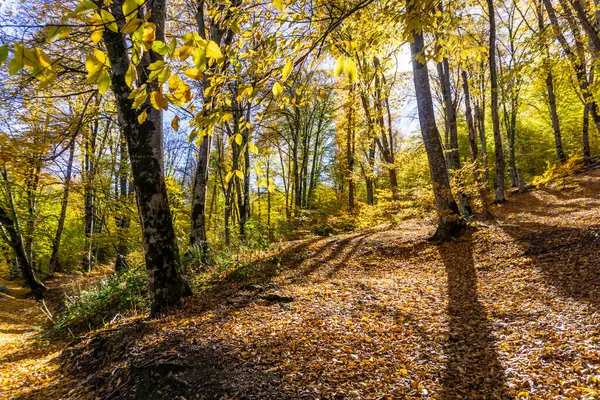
[
  {"x": 450, "y": 223},
  {"x": 498, "y": 150}
]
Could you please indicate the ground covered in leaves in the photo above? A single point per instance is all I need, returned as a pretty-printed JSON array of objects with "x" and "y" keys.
[{"x": 509, "y": 310}]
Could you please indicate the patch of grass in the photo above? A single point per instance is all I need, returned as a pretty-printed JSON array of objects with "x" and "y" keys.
[{"x": 118, "y": 294}]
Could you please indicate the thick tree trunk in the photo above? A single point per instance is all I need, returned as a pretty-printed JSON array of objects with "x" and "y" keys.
[
  {"x": 16, "y": 242},
  {"x": 498, "y": 150},
  {"x": 166, "y": 286},
  {"x": 450, "y": 223}
]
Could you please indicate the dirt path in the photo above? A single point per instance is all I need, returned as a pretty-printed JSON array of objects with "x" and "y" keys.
[
  {"x": 23, "y": 362},
  {"x": 510, "y": 310}
]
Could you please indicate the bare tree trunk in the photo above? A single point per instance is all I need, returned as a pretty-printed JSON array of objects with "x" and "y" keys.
[
  {"x": 450, "y": 223},
  {"x": 453, "y": 157},
  {"x": 123, "y": 221},
  {"x": 16, "y": 242},
  {"x": 166, "y": 285},
  {"x": 473, "y": 147},
  {"x": 350, "y": 148},
  {"x": 498, "y": 150},
  {"x": 53, "y": 264}
]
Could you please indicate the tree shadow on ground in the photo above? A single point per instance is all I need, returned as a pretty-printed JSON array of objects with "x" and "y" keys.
[
  {"x": 566, "y": 257},
  {"x": 104, "y": 367},
  {"x": 473, "y": 369}
]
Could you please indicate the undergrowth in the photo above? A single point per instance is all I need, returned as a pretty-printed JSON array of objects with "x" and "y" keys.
[{"x": 117, "y": 295}]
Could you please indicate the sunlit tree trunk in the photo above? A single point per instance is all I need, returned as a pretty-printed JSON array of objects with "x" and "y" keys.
[
  {"x": 53, "y": 265},
  {"x": 498, "y": 150},
  {"x": 450, "y": 223},
  {"x": 166, "y": 286},
  {"x": 473, "y": 146},
  {"x": 450, "y": 111}
]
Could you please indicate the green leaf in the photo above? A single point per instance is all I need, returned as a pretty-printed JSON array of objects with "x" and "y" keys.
[
  {"x": 85, "y": 7},
  {"x": 57, "y": 32},
  {"x": 3, "y": 54},
  {"x": 160, "y": 48},
  {"x": 14, "y": 66}
]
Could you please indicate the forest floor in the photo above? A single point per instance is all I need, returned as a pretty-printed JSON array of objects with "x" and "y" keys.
[{"x": 509, "y": 310}]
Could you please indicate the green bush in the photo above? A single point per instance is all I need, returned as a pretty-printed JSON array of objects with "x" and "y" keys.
[{"x": 113, "y": 296}]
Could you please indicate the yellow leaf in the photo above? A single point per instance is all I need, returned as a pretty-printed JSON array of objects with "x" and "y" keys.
[
  {"x": 253, "y": 149},
  {"x": 194, "y": 73},
  {"x": 130, "y": 8},
  {"x": 228, "y": 177},
  {"x": 350, "y": 70},
  {"x": 96, "y": 35},
  {"x": 132, "y": 25},
  {"x": 101, "y": 57},
  {"x": 286, "y": 70},
  {"x": 239, "y": 174},
  {"x": 175, "y": 123},
  {"x": 130, "y": 75},
  {"x": 339, "y": 66},
  {"x": 158, "y": 101},
  {"x": 103, "y": 82},
  {"x": 140, "y": 99},
  {"x": 185, "y": 52},
  {"x": 213, "y": 51},
  {"x": 238, "y": 139},
  {"x": 278, "y": 4},
  {"x": 149, "y": 32},
  {"x": 109, "y": 20},
  {"x": 271, "y": 188},
  {"x": 277, "y": 89},
  {"x": 142, "y": 117}
]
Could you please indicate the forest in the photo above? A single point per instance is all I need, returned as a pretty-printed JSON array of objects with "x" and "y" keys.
[{"x": 299, "y": 199}]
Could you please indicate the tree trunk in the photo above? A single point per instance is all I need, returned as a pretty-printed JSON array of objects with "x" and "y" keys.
[
  {"x": 53, "y": 264},
  {"x": 16, "y": 242},
  {"x": 473, "y": 147},
  {"x": 166, "y": 286},
  {"x": 453, "y": 157},
  {"x": 560, "y": 154},
  {"x": 450, "y": 223},
  {"x": 350, "y": 148},
  {"x": 499, "y": 182},
  {"x": 123, "y": 221}
]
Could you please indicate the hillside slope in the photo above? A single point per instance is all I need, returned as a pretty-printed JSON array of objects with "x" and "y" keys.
[{"x": 511, "y": 309}]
